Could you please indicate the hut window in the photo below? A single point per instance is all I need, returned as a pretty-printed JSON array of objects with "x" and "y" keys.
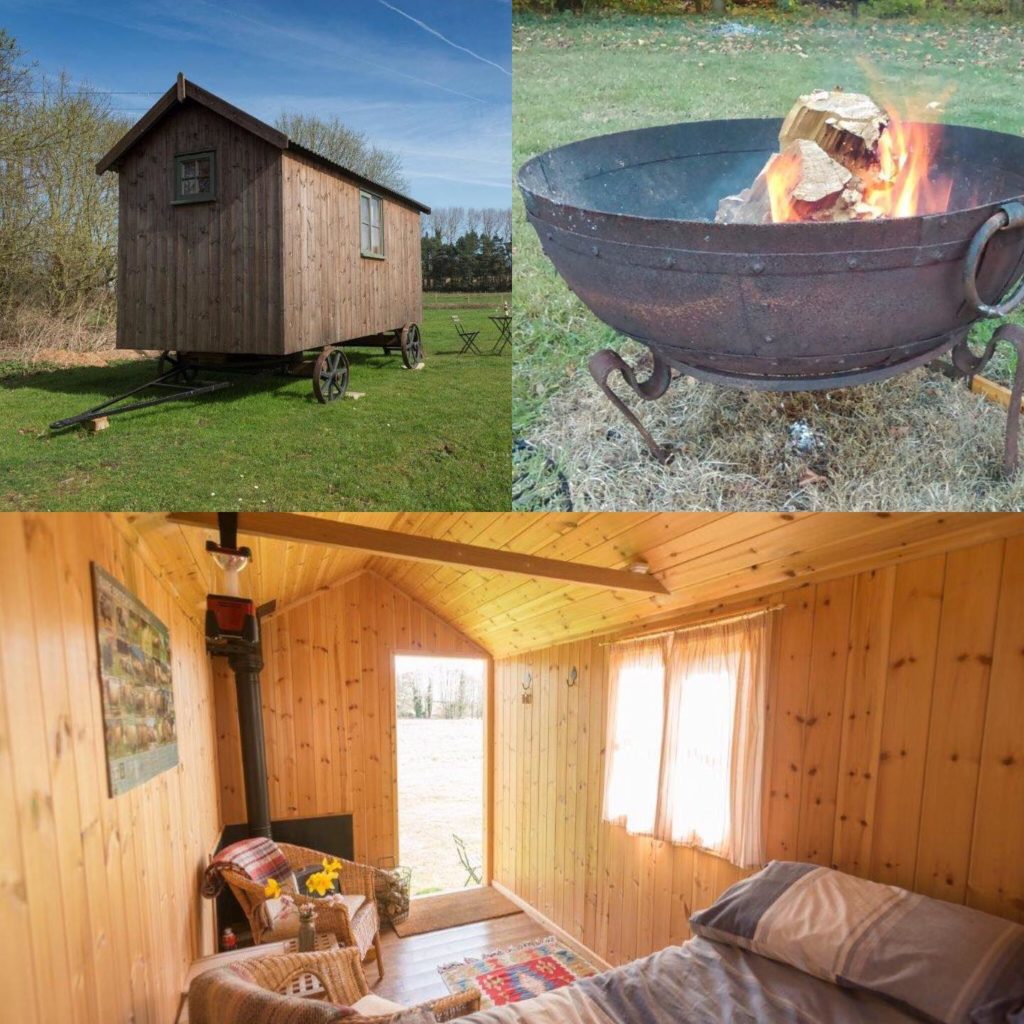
[
  {"x": 371, "y": 225},
  {"x": 686, "y": 737},
  {"x": 195, "y": 178}
]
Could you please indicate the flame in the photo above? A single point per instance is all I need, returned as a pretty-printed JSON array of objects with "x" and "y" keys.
[
  {"x": 902, "y": 187},
  {"x": 782, "y": 175}
]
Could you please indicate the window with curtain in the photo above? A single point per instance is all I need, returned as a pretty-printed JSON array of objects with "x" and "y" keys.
[{"x": 686, "y": 737}]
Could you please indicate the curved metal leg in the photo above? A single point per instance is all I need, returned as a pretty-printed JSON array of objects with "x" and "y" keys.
[
  {"x": 968, "y": 364},
  {"x": 1015, "y": 336},
  {"x": 602, "y": 364}
]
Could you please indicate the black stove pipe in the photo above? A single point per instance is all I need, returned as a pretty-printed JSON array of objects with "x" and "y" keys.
[{"x": 247, "y": 663}]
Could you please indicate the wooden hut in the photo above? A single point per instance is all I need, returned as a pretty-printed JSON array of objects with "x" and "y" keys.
[{"x": 235, "y": 239}]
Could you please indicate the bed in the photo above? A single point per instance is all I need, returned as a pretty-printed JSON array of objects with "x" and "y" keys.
[
  {"x": 700, "y": 982},
  {"x": 803, "y": 944}
]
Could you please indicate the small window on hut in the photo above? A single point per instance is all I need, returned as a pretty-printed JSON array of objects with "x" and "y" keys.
[
  {"x": 195, "y": 178},
  {"x": 371, "y": 225}
]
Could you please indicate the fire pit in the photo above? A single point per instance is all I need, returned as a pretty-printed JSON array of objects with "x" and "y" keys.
[{"x": 627, "y": 221}]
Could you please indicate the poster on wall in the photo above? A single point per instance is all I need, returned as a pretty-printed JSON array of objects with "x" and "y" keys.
[{"x": 135, "y": 676}]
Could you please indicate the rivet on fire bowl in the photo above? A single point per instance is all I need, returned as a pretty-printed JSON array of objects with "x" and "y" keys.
[
  {"x": 768, "y": 339},
  {"x": 853, "y": 262},
  {"x": 670, "y": 262},
  {"x": 758, "y": 267},
  {"x": 594, "y": 250}
]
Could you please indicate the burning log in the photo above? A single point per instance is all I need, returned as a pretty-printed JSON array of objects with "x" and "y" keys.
[
  {"x": 847, "y": 126},
  {"x": 829, "y": 157},
  {"x": 801, "y": 183}
]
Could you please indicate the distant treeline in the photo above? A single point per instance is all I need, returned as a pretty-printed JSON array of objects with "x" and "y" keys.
[
  {"x": 467, "y": 250},
  {"x": 881, "y": 8}
]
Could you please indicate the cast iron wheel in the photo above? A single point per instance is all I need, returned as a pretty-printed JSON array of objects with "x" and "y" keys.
[
  {"x": 412, "y": 347},
  {"x": 330, "y": 375},
  {"x": 178, "y": 361}
]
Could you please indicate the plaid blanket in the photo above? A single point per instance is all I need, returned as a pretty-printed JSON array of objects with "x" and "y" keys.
[{"x": 259, "y": 859}]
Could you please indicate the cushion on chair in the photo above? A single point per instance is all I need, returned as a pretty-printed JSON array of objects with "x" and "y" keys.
[
  {"x": 280, "y": 919},
  {"x": 376, "y": 1006}
]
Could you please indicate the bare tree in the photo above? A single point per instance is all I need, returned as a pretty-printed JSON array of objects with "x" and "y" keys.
[
  {"x": 332, "y": 139},
  {"x": 490, "y": 221}
]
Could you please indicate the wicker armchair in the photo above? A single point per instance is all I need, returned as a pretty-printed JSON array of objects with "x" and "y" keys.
[
  {"x": 248, "y": 992},
  {"x": 360, "y": 930}
]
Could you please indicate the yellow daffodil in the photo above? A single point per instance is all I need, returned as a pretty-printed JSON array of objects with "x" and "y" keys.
[
  {"x": 321, "y": 883},
  {"x": 331, "y": 867},
  {"x": 272, "y": 889}
]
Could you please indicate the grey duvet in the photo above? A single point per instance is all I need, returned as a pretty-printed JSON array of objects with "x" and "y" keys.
[{"x": 701, "y": 982}]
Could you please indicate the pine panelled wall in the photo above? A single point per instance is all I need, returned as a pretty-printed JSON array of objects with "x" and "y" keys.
[
  {"x": 100, "y": 913},
  {"x": 892, "y": 753},
  {"x": 329, "y": 707}
]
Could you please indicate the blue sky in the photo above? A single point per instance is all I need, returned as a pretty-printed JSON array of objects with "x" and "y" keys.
[{"x": 381, "y": 66}]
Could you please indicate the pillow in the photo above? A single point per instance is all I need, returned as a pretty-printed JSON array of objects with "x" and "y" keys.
[{"x": 949, "y": 963}]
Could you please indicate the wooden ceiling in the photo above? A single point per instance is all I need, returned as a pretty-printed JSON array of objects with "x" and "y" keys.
[{"x": 704, "y": 560}]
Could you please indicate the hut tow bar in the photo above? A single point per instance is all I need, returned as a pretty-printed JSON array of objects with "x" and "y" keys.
[{"x": 169, "y": 380}]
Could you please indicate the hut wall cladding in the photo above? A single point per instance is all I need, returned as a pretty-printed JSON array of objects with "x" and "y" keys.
[
  {"x": 894, "y": 752},
  {"x": 329, "y": 707},
  {"x": 201, "y": 276},
  {"x": 331, "y": 291},
  {"x": 100, "y": 913}
]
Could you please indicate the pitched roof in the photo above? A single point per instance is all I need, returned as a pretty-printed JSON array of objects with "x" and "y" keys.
[
  {"x": 708, "y": 561},
  {"x": 183, "y": 91}
]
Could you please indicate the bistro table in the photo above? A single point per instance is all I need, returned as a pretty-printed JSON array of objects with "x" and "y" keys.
[{"x": 504, "y": 325}]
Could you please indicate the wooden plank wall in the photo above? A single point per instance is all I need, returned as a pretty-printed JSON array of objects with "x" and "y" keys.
[
  {"x": 202, "y": 277},
  {"x": 329, "y": 707},
  {"x": 331, "y": 292},
  {"x": 100, "y": 913},
  {"x": 895, "y": 752}
]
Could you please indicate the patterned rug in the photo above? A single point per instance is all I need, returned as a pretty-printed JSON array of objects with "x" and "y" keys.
[{"x": 522, "y": 972}]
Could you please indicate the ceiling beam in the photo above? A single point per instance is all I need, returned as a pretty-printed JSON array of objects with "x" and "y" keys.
[{"x": 410, "y": 547}]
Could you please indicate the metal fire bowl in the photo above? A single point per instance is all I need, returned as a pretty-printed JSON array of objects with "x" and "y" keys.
[{"x": 627, "y": 219}]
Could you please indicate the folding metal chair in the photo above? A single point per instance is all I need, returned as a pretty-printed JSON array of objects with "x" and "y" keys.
[
  {"x": 468, "y": 338},
  {"x": 472, "y": 870}
]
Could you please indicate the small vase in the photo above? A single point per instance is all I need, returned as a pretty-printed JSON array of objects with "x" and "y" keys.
[{"x": 307, "y": 930}]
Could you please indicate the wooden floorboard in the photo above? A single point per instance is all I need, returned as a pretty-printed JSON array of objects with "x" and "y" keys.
[{"x": 410, "y": 965}]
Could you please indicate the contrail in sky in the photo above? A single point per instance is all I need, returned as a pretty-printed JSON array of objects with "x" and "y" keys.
[{"x": 433, "y": 31}]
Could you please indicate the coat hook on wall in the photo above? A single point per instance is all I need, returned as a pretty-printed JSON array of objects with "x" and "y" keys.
[
  {"x": 570, "y": 679},
  {"x": 527, "y": 685}
]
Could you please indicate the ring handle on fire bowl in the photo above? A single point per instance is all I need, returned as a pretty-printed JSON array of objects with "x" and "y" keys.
[{"x": 1010, "y": 215}]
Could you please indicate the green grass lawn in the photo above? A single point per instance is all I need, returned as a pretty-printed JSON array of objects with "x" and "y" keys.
[
  {"x": 576, "y": 77},
  {"x": 437, "y": 438}
]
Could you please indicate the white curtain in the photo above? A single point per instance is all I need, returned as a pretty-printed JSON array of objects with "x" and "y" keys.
[
  {"x": 701, "y": 720},
  {"x": 635, "y": 726}
]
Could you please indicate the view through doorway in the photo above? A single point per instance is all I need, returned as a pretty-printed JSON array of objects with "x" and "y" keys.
[{"x": 440, "y": 771}]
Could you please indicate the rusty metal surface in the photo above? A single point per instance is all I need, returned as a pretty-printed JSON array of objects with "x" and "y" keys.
[{"x": 626, "y": 220}]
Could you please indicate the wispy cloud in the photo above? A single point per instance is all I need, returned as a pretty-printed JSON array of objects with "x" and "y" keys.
[{"x": 433, "y": 31}]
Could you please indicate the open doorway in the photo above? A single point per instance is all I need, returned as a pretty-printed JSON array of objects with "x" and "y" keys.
[{"x": 440, "y": 718}]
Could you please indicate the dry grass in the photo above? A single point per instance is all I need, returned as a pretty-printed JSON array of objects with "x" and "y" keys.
[
  {"x": 440, "y": 791},
  {"x": 33, "y": 335},
  {"x": 917, "y": 441}
]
